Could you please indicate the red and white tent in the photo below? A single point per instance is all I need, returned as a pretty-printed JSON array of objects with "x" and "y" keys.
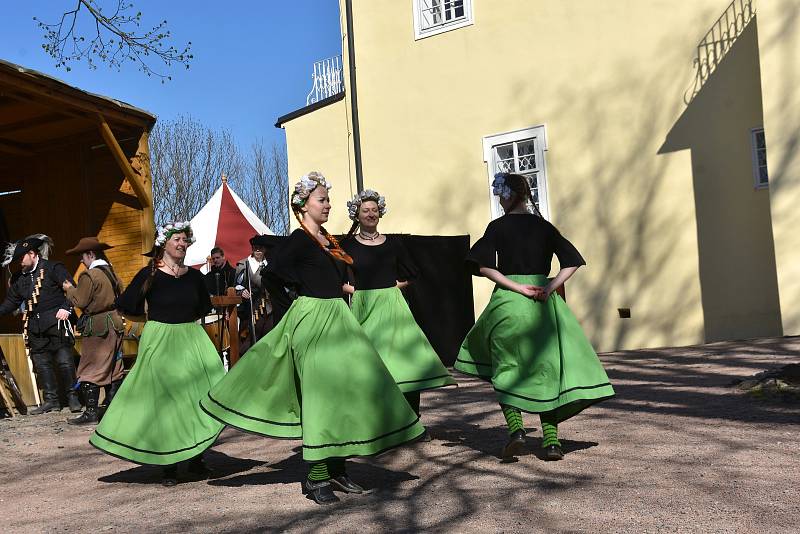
[{"x": 225, "y": 222}]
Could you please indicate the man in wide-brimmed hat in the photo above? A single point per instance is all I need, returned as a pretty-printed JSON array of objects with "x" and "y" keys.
[
  {"x": 46, "y": 318},
  {"x": 254, "y": 325},
  {"x": 100, "y": 325}
]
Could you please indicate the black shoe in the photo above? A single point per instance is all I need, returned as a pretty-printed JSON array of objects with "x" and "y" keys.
[
  {"x": 48, "y": 406},
  {"x": 170, "y": 476},
  {"x": 321, "y": 492},
  {"x": 89, "y": 417},
  {"x": 515, "y": 445},
  {"x": 346, "y": 484},
  {"x": 553, "y": 453}
]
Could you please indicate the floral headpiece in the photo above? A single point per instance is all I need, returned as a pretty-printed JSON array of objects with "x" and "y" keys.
[
  {"x": 174, "y": 227},
  {"x": 368, "y": 194},
  {"x": 306, "y": 185},
  {"x": 499, "y": 186}
]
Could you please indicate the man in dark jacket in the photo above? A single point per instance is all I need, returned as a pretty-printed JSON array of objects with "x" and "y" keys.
[
  {"x": 221, "y": 275},
  {"x": 46, "y": 313}
]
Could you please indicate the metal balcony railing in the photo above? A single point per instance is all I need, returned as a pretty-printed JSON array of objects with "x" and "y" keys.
[
  {"x": 718, "y": 42},
  {"x": 327, "y": 79}
]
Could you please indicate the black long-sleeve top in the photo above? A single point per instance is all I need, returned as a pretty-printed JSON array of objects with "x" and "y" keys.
[
  {"x": 51, "y": 295},
  {"x": 169, "y": 299},
  {"x": 380, "y": 266},
  {"x": 219, "y": 280},
  {"x": 519, "y": 243},
  {"x": 300, "y": 264}
]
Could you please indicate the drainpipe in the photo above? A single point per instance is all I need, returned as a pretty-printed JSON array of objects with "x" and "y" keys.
[{"x": 351, "y": 63}]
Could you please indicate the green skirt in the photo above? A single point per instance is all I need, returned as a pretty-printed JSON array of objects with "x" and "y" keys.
[
  {"x": 155, "y": 417},
  {"x": 316, "y": 377},
  {"x": 535, "y": 354},
  {"x": 406, "y": 352}
]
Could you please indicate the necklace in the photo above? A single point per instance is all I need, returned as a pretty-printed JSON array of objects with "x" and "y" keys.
[
  {"x": 369, "y": 237},
  {"x": 175, "y": 270}
]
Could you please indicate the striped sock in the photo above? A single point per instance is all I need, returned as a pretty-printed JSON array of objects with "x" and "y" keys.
[
  {"x": 319, "y": 472},
  {"x": 513, "y": 418},
  {"x": 549, "y": 434}
]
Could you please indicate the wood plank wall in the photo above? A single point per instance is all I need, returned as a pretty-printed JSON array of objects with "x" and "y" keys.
[{"x": 72, "y": 191}]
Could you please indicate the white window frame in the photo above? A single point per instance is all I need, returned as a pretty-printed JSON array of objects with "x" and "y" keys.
[
  {"x": 757, "y": 184},
  {"x": 490, "y": 141},
  {"x": 420, "y": 33}
]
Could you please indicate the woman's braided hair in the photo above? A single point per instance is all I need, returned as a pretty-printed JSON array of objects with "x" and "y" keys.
[
  {"x": 302, "y": 190},
  {"x": 522, "y": 191}
]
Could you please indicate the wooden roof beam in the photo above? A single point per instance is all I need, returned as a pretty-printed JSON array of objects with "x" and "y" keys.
[
  {"x": 122, "y": 160},
  {"x": 33, "y": 122},
  {"x": 54, "y": 96}
]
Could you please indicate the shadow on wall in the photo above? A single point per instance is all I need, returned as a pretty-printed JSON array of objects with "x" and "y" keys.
[
  {"x": 736, "y": 252},
  {"x": 616, "y": 214}
]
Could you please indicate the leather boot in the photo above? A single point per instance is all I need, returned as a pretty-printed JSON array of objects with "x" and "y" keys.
[
  {"x": 66, "y": 370},
  {"x": 46, "y": 379},
  {"x": 91, "y": 393}
]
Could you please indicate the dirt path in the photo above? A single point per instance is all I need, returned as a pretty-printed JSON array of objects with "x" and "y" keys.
[{"x": 677, "y": 450}]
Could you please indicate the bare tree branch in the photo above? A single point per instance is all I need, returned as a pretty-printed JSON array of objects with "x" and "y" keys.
[
  {"x": 267, "y": 189},
  {"x": 113, "y": 39},
  {"x": 187, "y": 162},
  {"x": 188, "y": 159}
]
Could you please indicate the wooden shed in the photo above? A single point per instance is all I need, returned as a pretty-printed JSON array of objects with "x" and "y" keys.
[{"x": 72, "y": 164}]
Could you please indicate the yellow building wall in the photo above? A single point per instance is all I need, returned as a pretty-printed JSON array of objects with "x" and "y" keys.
[
  {"x": 779, "y": 42},
  {"x": 319, "y": 141},
  {"x": 637, "y": 178}
]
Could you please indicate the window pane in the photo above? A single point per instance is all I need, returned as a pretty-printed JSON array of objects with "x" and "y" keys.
[
  {"x": 762, "y": 157},
  {"x": 761, "y": 141},
  {"x": 527, "y": 155},
  {"x": 763, "y": 178},
  {"x": 504, "y": 158},
  {"x": 430, "y": 13}
]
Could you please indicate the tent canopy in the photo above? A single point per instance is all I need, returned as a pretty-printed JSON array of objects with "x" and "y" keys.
[{"x": 225, "y": 222}]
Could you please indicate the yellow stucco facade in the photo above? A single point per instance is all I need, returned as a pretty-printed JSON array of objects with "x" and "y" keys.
[{"x": 648, "y": 172}]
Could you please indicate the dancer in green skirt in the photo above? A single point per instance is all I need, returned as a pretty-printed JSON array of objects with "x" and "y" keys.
[
  {"x": 316, "y": 375},
  {"x": 527, "y": 341},
  {"x": 382, "y": 267},
  {"x": 155, "y": 417}
]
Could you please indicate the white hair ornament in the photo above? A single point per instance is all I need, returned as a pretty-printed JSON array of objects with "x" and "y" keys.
[{"x": 368, "y": 194}]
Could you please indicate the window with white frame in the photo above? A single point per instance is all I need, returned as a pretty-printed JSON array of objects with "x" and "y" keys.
[
  {"x": 436, "y": 16},
  {"x": 518, "y": 152},
  {"x": 759, "y": 144}
]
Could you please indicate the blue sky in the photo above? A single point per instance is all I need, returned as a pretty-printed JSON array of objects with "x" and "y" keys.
[{"x": 252, "y": 59}]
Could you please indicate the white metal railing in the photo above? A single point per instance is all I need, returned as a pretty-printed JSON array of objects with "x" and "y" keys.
[
  {"x": 718, "y": 41},
  {"x": 327, "y": 79}
]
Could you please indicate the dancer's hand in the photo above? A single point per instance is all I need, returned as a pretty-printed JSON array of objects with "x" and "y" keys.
[
  {"x": 545, "y": 293},
  {"x": 62, "y": 315},
  {"x": 348, "y": 289},
  {"x": 245, "y": 294},
  {"x": 532, "y": 292},
  {"x": 66, "y": 285}
]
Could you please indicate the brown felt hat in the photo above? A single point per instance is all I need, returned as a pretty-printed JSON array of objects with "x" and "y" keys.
[{"x": 86, "y": 244}]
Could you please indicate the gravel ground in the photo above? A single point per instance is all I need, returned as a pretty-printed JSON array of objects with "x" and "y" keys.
[{"x": 678, "y": 449}]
